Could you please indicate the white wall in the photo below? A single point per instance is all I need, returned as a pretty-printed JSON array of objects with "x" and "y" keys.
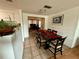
[
  {"x": 25, "y": 26},
  {"x": 17, "y": 44},
  {"x": 69, "y": 25},
  {"x": 18, "y": 38},
  {"x": 5, "y": 14},
  {"x": 76, "y": 37},
  {"x": 26, "y": 23}
]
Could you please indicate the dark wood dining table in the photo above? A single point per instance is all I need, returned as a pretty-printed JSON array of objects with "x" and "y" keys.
[{"x": 49, "y": 35}]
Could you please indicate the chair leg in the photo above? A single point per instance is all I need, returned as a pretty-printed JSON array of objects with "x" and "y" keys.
[
  {"x": 61, "y": 51},
  {"x": 54, "y": 55},
  {"x": 40, "y": 45},
  {"x": 37, "y": 41}
]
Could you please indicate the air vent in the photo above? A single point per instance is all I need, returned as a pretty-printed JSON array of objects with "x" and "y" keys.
[
  {"x": 9, "y": 0},
  {"x": 48, "y": 7}
]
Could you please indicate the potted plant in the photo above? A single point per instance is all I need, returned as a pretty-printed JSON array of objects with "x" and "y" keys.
[{"x": 5, "y": 28}]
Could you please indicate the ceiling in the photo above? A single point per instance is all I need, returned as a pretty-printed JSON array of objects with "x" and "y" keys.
[{"x": 33, "y": 6}]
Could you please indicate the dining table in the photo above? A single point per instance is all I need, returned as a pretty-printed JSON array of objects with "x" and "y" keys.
[{"x": 49, "y": 36}]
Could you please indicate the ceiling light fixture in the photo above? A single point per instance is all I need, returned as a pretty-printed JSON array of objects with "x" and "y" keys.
[
  {"x": 47, "y": 6},
  {"x": 9, "y": 0},
  {"x": 44, "y": 9}
]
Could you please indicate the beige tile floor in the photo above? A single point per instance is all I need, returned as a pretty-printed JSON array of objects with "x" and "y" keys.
[{"x": 32, "y": 51}]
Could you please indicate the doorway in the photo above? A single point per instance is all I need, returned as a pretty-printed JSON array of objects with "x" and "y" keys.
[{"x": 36, "y": 23}]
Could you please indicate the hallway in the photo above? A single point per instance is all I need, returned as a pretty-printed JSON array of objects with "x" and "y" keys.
[{"x": 32, "y": 51}]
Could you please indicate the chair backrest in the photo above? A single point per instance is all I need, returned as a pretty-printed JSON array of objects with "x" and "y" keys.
[
  {"x": 54, "y": 31},
  {"x": 38, "y": 35},
  {"x": 49, "y": 30},
  {"x": 60, "y": 42}
]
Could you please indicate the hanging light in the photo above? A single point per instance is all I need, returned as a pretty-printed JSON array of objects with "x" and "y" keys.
[{"x": 44, "y": 9}]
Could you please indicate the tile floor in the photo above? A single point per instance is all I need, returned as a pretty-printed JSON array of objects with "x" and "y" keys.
[{"x": 32, "y": 51}]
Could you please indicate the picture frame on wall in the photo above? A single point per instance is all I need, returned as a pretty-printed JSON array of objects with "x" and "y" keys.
[{"x": 58, "y": 19}]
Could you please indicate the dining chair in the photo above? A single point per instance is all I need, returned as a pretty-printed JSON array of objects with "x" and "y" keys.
[
  {"x": 54, "y": 31},
  {"x": 56, "y": 46},
  {"x": 49, "y": 30},
  {"x": 40, "y": 40}
]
